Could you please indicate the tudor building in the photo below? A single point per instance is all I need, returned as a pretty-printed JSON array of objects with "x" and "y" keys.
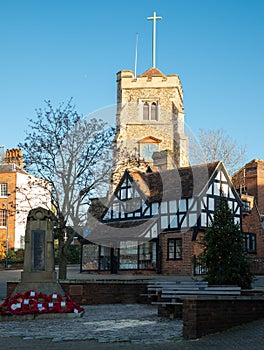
[
  {"x": 153, "y": 221},
  {"x": 159, "y": 205}
]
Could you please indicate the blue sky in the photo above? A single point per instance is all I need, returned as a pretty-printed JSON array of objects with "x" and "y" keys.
[{"x": 58, "y": 49}]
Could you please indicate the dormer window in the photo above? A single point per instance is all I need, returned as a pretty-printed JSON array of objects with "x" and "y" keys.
[{"x": 150, "y": 110}]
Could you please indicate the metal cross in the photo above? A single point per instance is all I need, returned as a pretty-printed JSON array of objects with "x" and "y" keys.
[{"x": 154, "y": 18}]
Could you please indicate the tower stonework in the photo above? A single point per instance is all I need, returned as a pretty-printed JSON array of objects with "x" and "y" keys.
[{"x": 150, "y": 117}]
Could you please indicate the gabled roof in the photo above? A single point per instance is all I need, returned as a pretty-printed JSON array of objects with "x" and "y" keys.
[
  {"x": 185, "y": 182},
  {"x": 153, "y": 72}
]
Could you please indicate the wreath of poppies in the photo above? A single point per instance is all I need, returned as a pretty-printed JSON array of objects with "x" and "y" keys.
[{"x": 38, "y": 303}]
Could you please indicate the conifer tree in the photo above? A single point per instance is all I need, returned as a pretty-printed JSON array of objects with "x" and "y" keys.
[{"x": 223, "y": 253}]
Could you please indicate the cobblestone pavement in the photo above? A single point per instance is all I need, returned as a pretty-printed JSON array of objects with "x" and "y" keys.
[
  {"x": 124, "y": 327},
  {"x": 103, "y": 324},
  {"x": 112, "y": 327}
]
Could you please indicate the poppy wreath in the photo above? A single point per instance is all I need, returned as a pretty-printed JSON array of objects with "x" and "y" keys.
[{"x": 38, "y": 303}]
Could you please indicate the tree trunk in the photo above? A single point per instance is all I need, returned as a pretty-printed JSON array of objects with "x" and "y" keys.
[
  {"x": 63, "y": 251},
  {"x": 62, "y": 266}
]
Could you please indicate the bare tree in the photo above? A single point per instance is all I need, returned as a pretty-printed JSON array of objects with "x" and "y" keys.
[
  {"x": 74, "y": 155},
  {"x": 217, "y": 145}
]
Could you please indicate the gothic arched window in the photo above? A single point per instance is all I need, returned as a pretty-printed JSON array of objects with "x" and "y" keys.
[
  {"x": 146, "y": 111},
  {"x": 150, "y": 110},
  {"x": 154, "y": 111}
]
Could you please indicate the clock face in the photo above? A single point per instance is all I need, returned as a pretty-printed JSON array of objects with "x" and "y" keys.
[{"x": 148, "y": 149}]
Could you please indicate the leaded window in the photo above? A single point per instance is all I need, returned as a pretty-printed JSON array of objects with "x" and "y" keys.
[{"x": 174, "y": 248}]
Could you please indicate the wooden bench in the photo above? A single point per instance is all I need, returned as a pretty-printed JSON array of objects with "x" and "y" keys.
[
  {"x": 155, "y": 288},
  {"x": 170, "y": 299}
]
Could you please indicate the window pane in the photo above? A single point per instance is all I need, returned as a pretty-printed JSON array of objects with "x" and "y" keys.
[
  {"x": 154, "y": 231},
  {"x": 211, "y": 203},
  {"x": 90, "y": 257},
  {"x": 163, "y": 208},
  {"x": 147, "y": 260},
  {"x": 105, "y": 258},
  {"x": 174, "y": 248},
  {"x": 173, "y": 221},
  {"x": 146, "y": 111},
  {"x": 178, "y": 249},
  {"x": 171, "y": 248},
  {"x": 3, "y": 190},
  {"x": 192, "y": 220},
  {"x": 115, "y": 210},
  {"x": 173, "y": 206},
  {"x": 164, "y": 222},
  {"x": 155, "y": 208},
  {"x": 128, "y": 255},
  {"x": 154, "y": 111},
  {"x": 3, "y": 217},
  {"x": 182, "y": 205}
]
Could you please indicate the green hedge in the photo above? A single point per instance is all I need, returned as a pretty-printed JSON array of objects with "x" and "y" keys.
[{"x": 17, "y": 257}]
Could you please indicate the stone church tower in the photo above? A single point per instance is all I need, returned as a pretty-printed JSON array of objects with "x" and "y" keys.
[{"x": 150, "y": 118}]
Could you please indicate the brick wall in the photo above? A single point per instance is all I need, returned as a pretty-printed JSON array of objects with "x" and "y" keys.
[
  {"x": 252, "y": 177},
  {"x": 101, "y": 292},
  {"x": 182, "y": 266},
  {"x": 9, "y": 203},
  {"x": 202, "y": 316}
]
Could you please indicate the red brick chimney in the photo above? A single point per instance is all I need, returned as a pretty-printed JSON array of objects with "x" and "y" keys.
[{"x": 14, "y": 156}]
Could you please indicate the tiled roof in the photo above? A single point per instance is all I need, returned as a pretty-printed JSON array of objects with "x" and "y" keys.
[
  {"x": 185, "y": 182},
  {"x": 153, "y": 72}
]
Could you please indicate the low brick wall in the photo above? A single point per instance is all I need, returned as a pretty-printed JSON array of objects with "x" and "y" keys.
[
  {"x": 201, "y": 315},
  {"x": 101, "y": 292},
  {"x": 205, "y": 315}
]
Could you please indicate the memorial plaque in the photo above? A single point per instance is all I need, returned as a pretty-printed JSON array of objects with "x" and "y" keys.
[{"x": 38, "y": 249}]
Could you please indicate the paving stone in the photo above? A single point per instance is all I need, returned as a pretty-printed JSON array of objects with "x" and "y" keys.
[{"x": 103, "y": 323}]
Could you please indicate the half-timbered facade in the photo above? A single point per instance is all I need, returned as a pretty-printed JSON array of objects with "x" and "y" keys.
[{"x": 153, "y": 221}]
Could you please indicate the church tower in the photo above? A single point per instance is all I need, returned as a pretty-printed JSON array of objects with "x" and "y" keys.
[{"x": 150, "y": 117}]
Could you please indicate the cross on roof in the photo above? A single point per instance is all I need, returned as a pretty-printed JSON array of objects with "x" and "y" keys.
[{"x": 154, "y": 19}]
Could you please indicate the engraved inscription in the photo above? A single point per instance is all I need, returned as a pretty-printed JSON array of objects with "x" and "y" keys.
[{"x": 38, "y": 249}]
